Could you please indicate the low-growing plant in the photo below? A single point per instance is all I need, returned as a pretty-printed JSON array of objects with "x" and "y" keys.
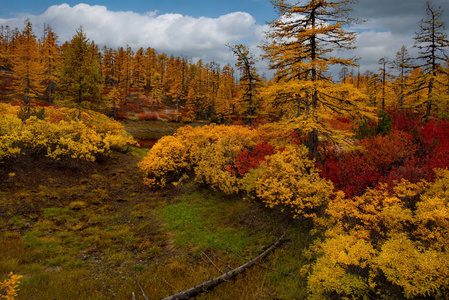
[
  {"x": 59, "y": 135},
  {"x": 9, "y": 287},
  {"x": 385, "y": 242}
]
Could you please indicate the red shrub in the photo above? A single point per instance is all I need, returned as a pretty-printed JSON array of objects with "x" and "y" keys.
[
  {"x": 250, "y": 159},
  {"x": 404, "y": 120},
  {"x": 353, "y": 172},
  {"x": 148, "y": 116},
  {"x": 121, "y": 115}
]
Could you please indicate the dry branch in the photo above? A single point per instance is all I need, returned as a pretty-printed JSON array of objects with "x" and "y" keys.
[{"x": 209, "y": 285}]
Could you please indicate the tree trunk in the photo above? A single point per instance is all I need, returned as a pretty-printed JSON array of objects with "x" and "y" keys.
[{"x": 429, "y": 99}]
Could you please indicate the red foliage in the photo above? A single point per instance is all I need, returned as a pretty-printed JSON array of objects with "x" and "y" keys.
[
  {"x": 411, "y": 151},
  {"x": 248, "y": 159},
  {"x": 121, "y": 115},
  {"x": 341, "y": 123},
  {"x": 353, "y": 172},
  {"x": 148, "y": 116},
  {"x": 404, "y": 120},
  {"x": 41, "y": 104},
  {"x": 166, "y": 117},
  {"x": 130, "y": 106}
]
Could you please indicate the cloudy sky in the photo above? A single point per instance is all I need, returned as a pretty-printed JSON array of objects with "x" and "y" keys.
[{"x": 201, "y": 28}]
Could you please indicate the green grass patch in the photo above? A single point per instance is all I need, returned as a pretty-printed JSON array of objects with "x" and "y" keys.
[
  {"x": 138, "y": 152},
  {"x": 211, "y": 220}
]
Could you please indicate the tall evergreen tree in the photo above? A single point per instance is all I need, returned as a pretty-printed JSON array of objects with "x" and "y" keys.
[
  {"x": 301, "y": 42},
  {"x": 249, "y": 81},
  {"x": 50, "y": 57},
  {"x": 27, "y": 67},
  {"x": 80, "y": 71}
]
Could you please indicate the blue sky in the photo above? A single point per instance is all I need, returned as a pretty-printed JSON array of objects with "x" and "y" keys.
[
  {"x": 259, "y": 9},
  {"x": 200, "y": 29}
]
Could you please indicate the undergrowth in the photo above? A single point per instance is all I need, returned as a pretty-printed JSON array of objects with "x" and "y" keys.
[{"x": 94, "y": 235}]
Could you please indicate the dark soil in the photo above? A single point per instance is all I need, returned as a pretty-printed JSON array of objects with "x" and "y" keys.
[{"x": 48, "y": 183}]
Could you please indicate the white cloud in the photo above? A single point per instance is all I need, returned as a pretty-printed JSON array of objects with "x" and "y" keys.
[{"x": 168, "y": 33}]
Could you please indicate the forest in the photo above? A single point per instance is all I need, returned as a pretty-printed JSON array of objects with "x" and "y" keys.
[{"x": 351, "y": 170}]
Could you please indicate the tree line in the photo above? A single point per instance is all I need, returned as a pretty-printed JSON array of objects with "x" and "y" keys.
[{"x": 79, "y": 72}]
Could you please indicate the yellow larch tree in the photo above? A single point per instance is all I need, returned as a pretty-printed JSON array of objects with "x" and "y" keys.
[
  {"x": 138, "y": 75},
  {"x": 107, "y": 67},
  {"x": 149, "y": 61},
  {"x": 300, "y": 45},
  {"x": 122, "y": 70},
  {"x": 173, "y": 81},
  {"x": 225, "y": 102},
  {"x": 27, "y": 67},
  {"x": 80, "y": 73},
  {"x": 50, "y": 57},
  {"x": 8, "y": 43},
  {"x": 108, "y": 72}
]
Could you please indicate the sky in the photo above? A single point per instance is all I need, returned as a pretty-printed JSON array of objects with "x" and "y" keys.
[{"x": 200, "y": 29}]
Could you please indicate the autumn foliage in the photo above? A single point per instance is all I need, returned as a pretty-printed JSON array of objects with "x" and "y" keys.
[
  {"x": 10, "y": 287},
  {"x": 57, "y": 133},
  {"x": 385, "y": 242},
  {"x": 217, "y": 156},
  {"x": 408, "y": 151}
]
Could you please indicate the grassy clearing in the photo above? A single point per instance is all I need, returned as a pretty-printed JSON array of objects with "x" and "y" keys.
[{"x": 92, "y": 235}]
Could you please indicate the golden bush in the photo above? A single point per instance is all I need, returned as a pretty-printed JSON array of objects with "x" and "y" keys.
[
  {"x": 60, "y": 137},
  {"x": 289, "y": 179}
]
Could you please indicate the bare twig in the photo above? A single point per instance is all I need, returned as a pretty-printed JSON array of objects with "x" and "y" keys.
[
  {"x": 143, "y": 292},
  {"x": 211, "y": 261},
  {"x": 168, "y": 283}
]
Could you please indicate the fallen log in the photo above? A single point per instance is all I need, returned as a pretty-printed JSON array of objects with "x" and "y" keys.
[{"x": 209, "y": 285}]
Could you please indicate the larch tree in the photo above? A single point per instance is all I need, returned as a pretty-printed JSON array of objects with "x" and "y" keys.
[
  {"x": 403, "y": 65},
  {"x": 107, "y": 67},
  {"x": 343, "y": 75},
  {"x": 224, "y": 102},
  {"x": 300, "y": 45},
  {"x": 383, "y": 69},
  {"x": 250, "y": 81},
  {"x": 108, "y": 72},
  {"x": 3, "y": 48},
  {"x": 80, "y": 72},
  {"x": 50, "y": 57},
  {"x": 432, "y": 41},
  {"x": 8, "y": 42},
  {"x": 138, "y": 75},
  {"x": 149, "y": 66},
  {"x": 173, "y": 81},
  {"x": 27, "y": 67}
]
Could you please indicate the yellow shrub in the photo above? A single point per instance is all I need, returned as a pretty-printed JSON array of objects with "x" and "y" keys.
[
  {"x": 167, "y": 161},
  {"x": 405, "y": 234},
  {"x": 208, "y": 150},
  {"x": 60, "y": 135},
  {"x": 330, "y": 275},
  {"x": 9, "y": 287},
  {"x": 214, "y": 158},
  {"x": 417, "y": 271},
  {"x": 289, "y": 179}
]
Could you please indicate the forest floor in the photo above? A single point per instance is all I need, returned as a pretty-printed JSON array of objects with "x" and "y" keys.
[{"x": 79, "y": 230}]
